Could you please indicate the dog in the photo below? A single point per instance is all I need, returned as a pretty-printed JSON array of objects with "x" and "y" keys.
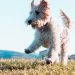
[{"x": 48, "y": 32}]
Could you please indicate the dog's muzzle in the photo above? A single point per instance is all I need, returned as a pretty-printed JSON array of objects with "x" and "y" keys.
[{"x": 29, "y": 22}]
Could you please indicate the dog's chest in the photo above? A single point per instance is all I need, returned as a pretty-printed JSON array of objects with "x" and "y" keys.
[{"x": 45, "y": 38}]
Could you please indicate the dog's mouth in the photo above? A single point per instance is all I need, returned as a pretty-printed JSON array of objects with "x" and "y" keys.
[{"x": 35, "y": 26}]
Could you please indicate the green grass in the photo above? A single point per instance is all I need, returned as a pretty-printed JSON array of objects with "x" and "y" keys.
[{"x": 34, "y": 67}]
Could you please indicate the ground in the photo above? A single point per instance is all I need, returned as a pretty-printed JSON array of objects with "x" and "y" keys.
[{"x": 34, "y": 67}]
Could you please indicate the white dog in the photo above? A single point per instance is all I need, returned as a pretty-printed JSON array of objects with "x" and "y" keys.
[{"x": 48, "y": 32}]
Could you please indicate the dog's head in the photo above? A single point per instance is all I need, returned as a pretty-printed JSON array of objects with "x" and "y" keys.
[{"x": 39, "y": 15}]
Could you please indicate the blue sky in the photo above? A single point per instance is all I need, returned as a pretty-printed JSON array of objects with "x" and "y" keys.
[{"x": 15, "y": 34}]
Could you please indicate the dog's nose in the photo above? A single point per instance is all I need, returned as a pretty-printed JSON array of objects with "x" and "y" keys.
[{"x": 29, "y": 21}]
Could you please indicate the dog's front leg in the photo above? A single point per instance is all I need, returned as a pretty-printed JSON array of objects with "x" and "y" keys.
[
  {"x": 54, "y": 50},
  {"x": 35, "y": 45}
]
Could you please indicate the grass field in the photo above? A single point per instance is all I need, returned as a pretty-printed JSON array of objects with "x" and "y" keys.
[{"x": 34, "y": 67}]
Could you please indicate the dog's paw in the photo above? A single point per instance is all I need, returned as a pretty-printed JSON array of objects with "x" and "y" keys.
[
  {"x": 48, "y": 61},
  {"x": 27, "y": 51}
]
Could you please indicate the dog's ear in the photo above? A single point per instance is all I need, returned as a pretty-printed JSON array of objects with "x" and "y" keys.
[
  {"x": 32, "y": 3},
  {"x": 44, "y": 3}
]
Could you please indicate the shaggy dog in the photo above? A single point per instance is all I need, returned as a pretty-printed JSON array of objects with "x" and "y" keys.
[{"x": 48, "y": 32}]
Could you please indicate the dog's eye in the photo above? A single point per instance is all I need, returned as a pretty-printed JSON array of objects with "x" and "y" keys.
[{"x": 37, "y": 12}]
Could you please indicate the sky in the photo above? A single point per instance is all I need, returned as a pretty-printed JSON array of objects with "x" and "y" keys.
[{"x": 15, "y": 35}]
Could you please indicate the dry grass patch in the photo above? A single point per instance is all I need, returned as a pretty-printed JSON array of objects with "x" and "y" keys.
[{"x": 34, "y": 67}]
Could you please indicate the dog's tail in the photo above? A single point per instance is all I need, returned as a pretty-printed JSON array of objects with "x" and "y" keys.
[{"x": 66, "y": 20}]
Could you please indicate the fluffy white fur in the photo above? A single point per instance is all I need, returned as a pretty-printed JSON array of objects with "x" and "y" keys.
[{"x": 48, "y": 32}]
